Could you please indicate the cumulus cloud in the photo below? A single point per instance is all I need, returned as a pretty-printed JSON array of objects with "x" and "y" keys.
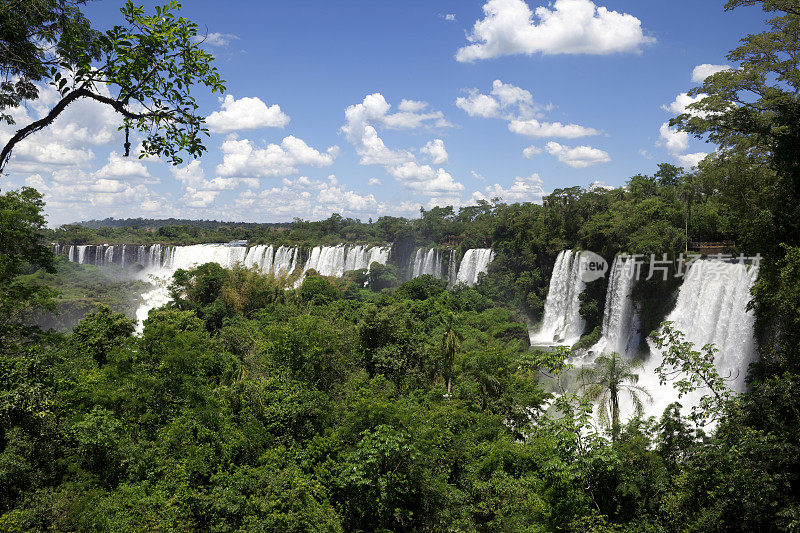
[
  {"x": 316, "y": 199},
  {"x": 678, "y": 107},
  {"x": 124, "y": 168},
  {"x": 530, "y": 189},
  {"x": 504, "y": 101},
  {"x": 245, "y": 114},
  {"x": 701, "y": 72},
  {"x": 374, "y": 110},
  {"x": 516, "y": 105},
  {"x": 436, "y": 151},
  {"x": 68, "y": 140},
  {"x": 534, "y": 128},
  {"x": 450, "y": 17},
  {"x": 373, "y": 182},
  {"x": 566, "y": 27},
  {"x": 676, "y": 142},
  {"x": 531, "y": 151},
  {"x": 577, "y": 157},
  {"x": 242, "y": 159}
]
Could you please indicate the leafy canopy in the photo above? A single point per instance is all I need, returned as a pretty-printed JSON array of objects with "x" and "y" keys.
[{"x": 145, "y": 70}]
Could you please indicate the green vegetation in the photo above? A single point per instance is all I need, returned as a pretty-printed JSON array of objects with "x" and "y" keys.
[
  {"x": 80, "y": 288},
  {"x": 367, "y": 404}
]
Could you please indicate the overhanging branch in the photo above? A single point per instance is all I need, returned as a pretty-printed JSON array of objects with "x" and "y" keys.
[{"x": 37, "y": 125}]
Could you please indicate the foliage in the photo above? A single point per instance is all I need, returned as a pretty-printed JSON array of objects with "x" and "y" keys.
[
  {"x": 609, "y": 378},
  {"x": 690, "y": 370},
  {"x": 21, "y": 250},
  {"x": 145, "y": 71}
]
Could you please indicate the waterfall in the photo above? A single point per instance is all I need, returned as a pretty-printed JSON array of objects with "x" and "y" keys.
[
  {"x": 426, "y": 262},
  {"x": 562, "y": 322},
  {"x": 474, "y": 262},
  {"x": 285, "y": 261},
  {"x": 108, "y": 257},
  {"x": 621, "y": 332},
  {"x": 81, "y": 254},
  {"x": 451, "y": 269},
  {"x": 336, "y": 260},
  {"x": 71, "y": 255},
  {"x": 711, "y": 309}
]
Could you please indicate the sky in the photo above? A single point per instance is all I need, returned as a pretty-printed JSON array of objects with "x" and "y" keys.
[{"x": 370, "y": 108}]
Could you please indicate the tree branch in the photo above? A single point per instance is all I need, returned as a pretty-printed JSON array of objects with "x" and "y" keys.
[{"x": 82, "y": 92}]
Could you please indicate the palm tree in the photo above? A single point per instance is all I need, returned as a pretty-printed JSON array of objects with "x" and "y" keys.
[
  {"x": 451, "y": 344},
  {"x": 604, "y": 382}
]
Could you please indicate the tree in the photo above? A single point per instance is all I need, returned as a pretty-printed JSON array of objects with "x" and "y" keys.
[
  {"x": 692, "y": 370},
  {"x": 755, "y": 109},
  {"x": 610, "y": 377},
  {"x": 145, "y": 71},
  {"x": 21, "y": 249},
  {"x": 37, "y": 35},
  {"x": 100, "y": 330},
  {"x": 450, "y": 346}
]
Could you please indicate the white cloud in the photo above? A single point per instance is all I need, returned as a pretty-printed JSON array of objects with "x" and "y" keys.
[
  {"x": 534, "y": 128},
  {"x": 530, "y": 189},
  {"x": 245, "y": 114},
  {"x": 567, "y": 27},
  {"x": 312, "y": 198},
  {"x": 701, "y": 72},
  {"x": 691, "y": 160},
  {"x": 67, "y": 141},
  {"x": 676, "y": 142},
  {"x": 361, "y": 132},
  {"x": 36, "y": 182},
  {"x": 678, "y": 107},
  {"x": 600, "y": 185},
  {"x": 242, "y": 159},
  {"x": 216, "y": 39},
  {"x": 579, "y": 156},
  {"x": 450, "y": 17},
  {"x": 504, "y": 101},
  {"x": 673, "y": 140},
  {"x": 477, "y": 175},
  {"x": 531, "y": 151},
  {"x": 435, "y": 150},
  {"x": 374, "y": 182},
  {"x": 516, "y": 105},
  {"x": 123, "y": 168}
]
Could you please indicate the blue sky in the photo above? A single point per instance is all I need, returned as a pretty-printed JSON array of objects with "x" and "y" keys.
[{"x": 582, "y": 86}]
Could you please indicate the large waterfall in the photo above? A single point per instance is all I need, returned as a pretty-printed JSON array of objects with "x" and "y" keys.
[
  {"x": 474, "y": 262},
  {"x": 426, "y": 262},
  {"x": 336, "y": 260},
  {"x": 562, "y": 323},
  {"x": 158, "y": 263},
  {"x": 621, "y": 331},
  {"x": 711, "y": 309}
]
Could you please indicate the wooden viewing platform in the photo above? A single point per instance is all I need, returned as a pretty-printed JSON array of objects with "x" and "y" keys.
[{"x": 711, "y": 248}]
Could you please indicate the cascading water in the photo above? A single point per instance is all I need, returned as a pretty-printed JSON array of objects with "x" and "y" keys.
[
  {"x": 621, "y": 332},
  {"x": 562, "y": 323},
  {"x": 336, "y": 260},
  {"x": 452, "y": 273},
  {"x": 426, "y": 262},
  {"x": 82, "y": 254},
  {"x": 711, "y": 309},
  {"x": 474, "y": 262},
  {"x": 160, "y": 262}
]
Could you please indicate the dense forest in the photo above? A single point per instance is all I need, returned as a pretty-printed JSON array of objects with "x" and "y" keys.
[{"x": 370, "y": 402}]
